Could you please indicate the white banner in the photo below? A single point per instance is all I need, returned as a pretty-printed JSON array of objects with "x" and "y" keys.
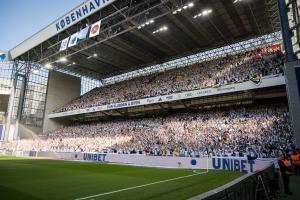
[
  {"x": 225, "y": 163},
  {"x": 248, "y": 85},
  {"x": 73, "y": 40},
  {"x": 64, "y": 44},
  {"x": 95, "y": 29}
]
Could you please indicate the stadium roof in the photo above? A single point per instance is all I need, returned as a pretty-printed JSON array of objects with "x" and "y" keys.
[{"x": 179, "y": 28}]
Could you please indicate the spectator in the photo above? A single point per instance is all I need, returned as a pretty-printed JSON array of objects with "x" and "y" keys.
[
  {"x": 257, "y": 131},
  {"x": 222, "y": 71}
]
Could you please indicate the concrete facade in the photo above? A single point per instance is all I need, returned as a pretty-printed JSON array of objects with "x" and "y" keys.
[{"x": 62, "y": 88}]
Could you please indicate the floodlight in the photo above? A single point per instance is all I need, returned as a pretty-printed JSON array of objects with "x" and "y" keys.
[
  {"x": 63, "y": 59},
  {"x": 48, "y": 66},
  {"x": 35, "y": 71},
  {"x": 235, "y": 1},
  {"x": 191, "y": 4}
]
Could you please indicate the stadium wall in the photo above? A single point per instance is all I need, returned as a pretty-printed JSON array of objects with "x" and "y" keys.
[
  {"x": 62, "y": 88},
  {"x": 26, "y": 131}
]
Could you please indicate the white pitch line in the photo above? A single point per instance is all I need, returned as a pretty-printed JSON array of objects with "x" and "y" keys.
[{"x": 139, "y": 186}]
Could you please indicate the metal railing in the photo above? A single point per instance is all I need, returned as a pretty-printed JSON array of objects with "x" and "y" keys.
[{"x": 261, "y": 185}]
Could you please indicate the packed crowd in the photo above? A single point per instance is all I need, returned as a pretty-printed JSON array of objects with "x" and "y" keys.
[
  {"x": 261, "y": 131},
  {"x": 225, "y": 70}
]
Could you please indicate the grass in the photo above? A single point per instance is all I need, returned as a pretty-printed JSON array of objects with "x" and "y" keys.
[{"x": 32, "y": 179}]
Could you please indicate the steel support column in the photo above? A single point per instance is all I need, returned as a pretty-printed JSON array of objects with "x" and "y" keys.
[{"x": 293, "y": 92}]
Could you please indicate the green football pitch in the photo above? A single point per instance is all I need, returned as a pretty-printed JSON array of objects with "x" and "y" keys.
[{"x": 35, "y": 179}]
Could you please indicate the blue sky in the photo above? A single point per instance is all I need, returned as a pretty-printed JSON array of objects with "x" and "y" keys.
[{"x": 19, "y": 19}]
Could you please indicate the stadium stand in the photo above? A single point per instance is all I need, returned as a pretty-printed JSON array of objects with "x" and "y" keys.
[
  {"x": 257, "y": 131},
  {"x": 200, "y": 86},
  {"x": 221, "y": 71}
]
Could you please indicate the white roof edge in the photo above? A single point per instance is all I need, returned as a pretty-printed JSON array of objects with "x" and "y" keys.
[
  {"x": 45, "y": 27},
  {"x": 51, "y": 30}
]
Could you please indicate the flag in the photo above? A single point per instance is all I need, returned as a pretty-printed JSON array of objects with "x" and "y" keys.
[
  {"x": 256, "y": 79},
  {"x": 73, "y": 40},
  {"x": 3, "y": 56},
  {"x": 64, "y": 44},
  {"x": 83, "y": 33},
  {"x": 95, "y": 29}
]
